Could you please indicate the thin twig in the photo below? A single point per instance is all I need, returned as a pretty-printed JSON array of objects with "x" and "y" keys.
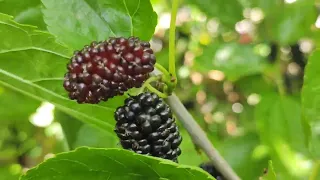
[
  {"x": 172, "y": 38},
  {"x": 198, "y": 136}
]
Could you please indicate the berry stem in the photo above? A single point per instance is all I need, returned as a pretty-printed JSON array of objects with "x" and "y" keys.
[
  {"x": 200, "y": 138},
  {"x": 167, "y": 79},
  {"x": 172, "y": 38},
  {"x": 148, "y": 81},
  {"x": 154, "y": 90},
  {"x": 162, "y": 69}
]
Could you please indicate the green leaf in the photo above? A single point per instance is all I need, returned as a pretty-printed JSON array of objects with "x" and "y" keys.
[
  {"x": 268, "y": 7},
  {"x": 311, "y": 100},
  {"x": 311, "y": 89},
  {"x": 280, "y": 127},
  {"x": 93, "y": 163},
  {"x": 11, "y": 110},
  {"x": 234, "y": 59},
  {"x": 69, "y": 125},
  {"x": 26, "y": 12},
  {"x": 32, "y": 63},
  {"x": 254, "y": 84},
  {"x": 314, "y": 145},
  {"x": 77, "y": 23},
  {"x": 227, "y": 13},
  {"x": 11, "y": 172},
  {"x": 93, "y": 137},
  {"x": 79, "y": 134},
  {"x": 315, "y": 174},
  {"x": 189, "y": 156},
  {"x": 32, "y": 16},
  {"x": 287, "y": 23},
  {"x": 271, "y": 175},
  {"x": 238, "y": 152}
]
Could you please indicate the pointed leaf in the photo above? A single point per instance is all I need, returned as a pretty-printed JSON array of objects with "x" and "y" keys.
[
  {"x": 311, "y": 100},
  {"x": 93, "y": 163},
  {"x": 27, "y": 12},
  {"x": 271, "y": 175},
  {"x": 77, "y": 23},
  {"x": 280, "y": 127}
]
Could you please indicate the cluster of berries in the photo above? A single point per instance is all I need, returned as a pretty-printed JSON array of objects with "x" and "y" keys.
[{"x": 106, "y": 69}]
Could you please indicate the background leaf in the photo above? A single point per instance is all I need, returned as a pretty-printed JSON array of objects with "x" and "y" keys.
[
  {"x": 311, "y": 100},
  {"x": 311, "y": 89},
  {"x": 228, "y": 13},
  {"x": 286, "y": 23},
  {"x": 271, "y": 175},
  {"x": 238, "y": 152},
  {"x": 79, "y": 22},
  {"x": 15, "y": 111},
  {"x": 79, "y": 134},
  {"x": 280, "y": 127},
  {"x": 234, "y": 59},
  {"x": 26, "y": 12},
  {"x": 92, "y": 163}
]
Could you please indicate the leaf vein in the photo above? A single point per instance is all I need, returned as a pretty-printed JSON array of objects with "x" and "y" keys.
[{"x": 131, "y": 23}]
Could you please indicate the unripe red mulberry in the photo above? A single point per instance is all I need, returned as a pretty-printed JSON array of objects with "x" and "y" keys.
[{"x": 109, "y": 68}]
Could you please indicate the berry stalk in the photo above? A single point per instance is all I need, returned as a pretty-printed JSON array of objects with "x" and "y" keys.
[{"x": 172, "y": 46}]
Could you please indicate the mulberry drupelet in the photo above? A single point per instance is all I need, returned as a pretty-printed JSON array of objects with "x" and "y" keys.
[
  {"x": 109, "y": 68},
  {"x": 145, "y": 125}
]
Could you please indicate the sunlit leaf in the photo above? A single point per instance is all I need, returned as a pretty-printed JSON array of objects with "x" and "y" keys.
[
  {"x": 77, "y": 23},
  {"x": 92, "y": 163},
  {"x": 26, "y": 12}
]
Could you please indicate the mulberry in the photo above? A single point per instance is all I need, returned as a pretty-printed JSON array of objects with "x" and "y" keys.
[
  {"x": 212, "y": 170},
  {"x": 109, "y": 68},
  {"x": 145, "y": 125}
]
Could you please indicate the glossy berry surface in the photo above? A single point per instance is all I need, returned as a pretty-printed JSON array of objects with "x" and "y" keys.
[
  {"x": 212, "y": 170},
  {"x": 145, "y": 125},
  {"x": 105, "y": 69}
]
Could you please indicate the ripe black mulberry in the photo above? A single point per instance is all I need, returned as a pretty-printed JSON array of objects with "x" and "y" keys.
[
  {"x": 145, "y": 125},
  {"x": 212, "y": 170}
]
